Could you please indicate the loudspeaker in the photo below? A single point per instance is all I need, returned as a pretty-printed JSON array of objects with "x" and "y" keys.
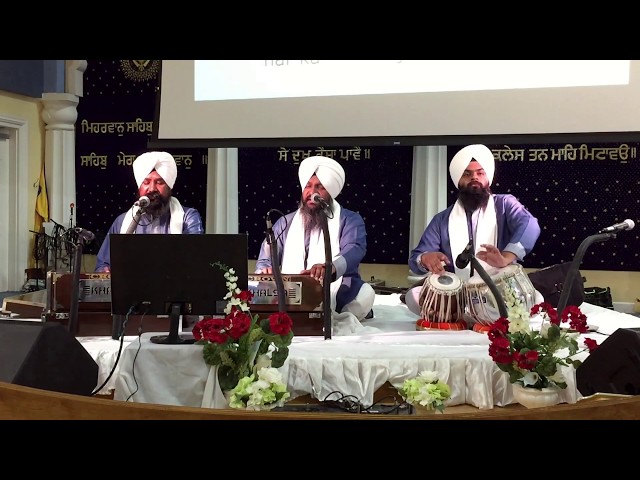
[
  {"x": 45, "y": 355},
  {"x": 613, "y": 367}
]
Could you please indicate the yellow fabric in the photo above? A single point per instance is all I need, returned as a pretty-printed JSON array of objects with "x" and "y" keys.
[{"x": 42, "y": 202}]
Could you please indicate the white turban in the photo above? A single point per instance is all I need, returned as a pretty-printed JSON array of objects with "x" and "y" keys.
[
  {"x": 461, "y": 160},
  {"x": 161, "y": 162},
  {"x": 329, "y": 172}
]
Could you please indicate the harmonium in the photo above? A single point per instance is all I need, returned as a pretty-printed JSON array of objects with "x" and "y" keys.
[
  {"x": 303, "y": 301},
  {"x": 94, "y": 306},
  {"x": 303, "y": 295}
]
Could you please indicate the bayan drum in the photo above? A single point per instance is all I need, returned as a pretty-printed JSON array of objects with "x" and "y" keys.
[
  {"x": 441, "y": 303},
  {"x": 480, "y": 306}
]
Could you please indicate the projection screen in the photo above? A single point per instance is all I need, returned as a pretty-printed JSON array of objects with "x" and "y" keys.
[{"x": 265, "y": 103}]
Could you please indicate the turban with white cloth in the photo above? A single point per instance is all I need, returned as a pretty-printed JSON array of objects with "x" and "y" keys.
[
  {"x": 329, "y": 172},
  {"x": 161, "y": 162},
  {"x": 461, "y": 160}
]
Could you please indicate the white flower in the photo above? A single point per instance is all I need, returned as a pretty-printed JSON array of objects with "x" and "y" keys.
[
  {"x": 557, "y": 377},
  {"x": 530, "y": 378},
  {"x": 428, "y": 376}
]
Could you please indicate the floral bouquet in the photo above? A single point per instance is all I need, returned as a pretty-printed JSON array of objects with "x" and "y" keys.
[
  {"x": 426, "y": 390},
  {"x": 532, "y": 358},
  {"x": 246, "y": 349}
]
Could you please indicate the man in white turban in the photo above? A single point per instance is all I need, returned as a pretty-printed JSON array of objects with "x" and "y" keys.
[
  {"x": 497, "y": 227},
  {"x": 155, "y": 174},
  {"x": 300, "y": 240}
]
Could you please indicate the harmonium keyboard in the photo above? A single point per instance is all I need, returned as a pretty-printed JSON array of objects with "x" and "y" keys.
[
  {"x": 303, "y": 301},
  {"x": 304, "y": 297}
]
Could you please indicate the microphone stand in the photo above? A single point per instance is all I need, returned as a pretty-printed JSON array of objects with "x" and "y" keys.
[
  {"x": 275, "y": 265},
  {"x": 118, "y": 320},
  {"x": 326, "y": 280},
  {"x": 575, "y": 266},
  {"x": 136, "y": 220},
  {"x": 502, "y": 307},
  {"x": 75, "y": 292}
]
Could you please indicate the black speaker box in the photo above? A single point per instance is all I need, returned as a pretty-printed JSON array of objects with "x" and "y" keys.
[
  {"x": 614, "y": 367},
  {"x": 45, "y": 355}
]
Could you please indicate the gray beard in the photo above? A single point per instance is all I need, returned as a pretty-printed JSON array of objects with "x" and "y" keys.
[{"x": 311, "y": 218}]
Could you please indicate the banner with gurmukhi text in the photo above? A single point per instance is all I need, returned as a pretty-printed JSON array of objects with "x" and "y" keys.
[{"x": 574, "y": 190}]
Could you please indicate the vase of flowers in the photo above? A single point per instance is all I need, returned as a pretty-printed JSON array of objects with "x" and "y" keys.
[
  {"x": 246, "y": 350},
  {"x": 533, "y": 358},
  {"x": 426, "y": 392}
]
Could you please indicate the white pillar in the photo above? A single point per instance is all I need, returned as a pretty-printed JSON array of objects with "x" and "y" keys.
[
  {"x": 222, "y": 191},
  {"x": 60, "y": 114}
]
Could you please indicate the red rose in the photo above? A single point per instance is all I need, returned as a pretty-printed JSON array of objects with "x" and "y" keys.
[{"x": 280, "y": 323}]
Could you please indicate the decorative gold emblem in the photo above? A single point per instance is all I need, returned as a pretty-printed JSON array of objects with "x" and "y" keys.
[{"x": 140, "y": 70}]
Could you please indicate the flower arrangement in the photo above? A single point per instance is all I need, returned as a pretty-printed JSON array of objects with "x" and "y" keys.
[
  {"x": 426, "y": 390},
  {"x": 532, "y": 358},
  {"x": 246, "y": 349}
]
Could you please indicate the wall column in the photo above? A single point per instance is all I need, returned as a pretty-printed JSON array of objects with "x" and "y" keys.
[
  {"x": 60, "y": 114},
  {"x": 222, "y": 191}
]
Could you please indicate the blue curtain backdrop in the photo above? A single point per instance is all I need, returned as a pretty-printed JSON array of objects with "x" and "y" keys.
[{"x": 574, "y": 190}]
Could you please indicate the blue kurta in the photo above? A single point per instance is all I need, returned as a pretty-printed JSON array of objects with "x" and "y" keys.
[
  {"x": 353, "y": 247},
  {"x": 192, "y": 223},
  {"x": 518, "y": 231}
]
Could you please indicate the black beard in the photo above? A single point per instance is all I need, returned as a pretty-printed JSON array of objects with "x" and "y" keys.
[
  {"x": 158, "y": 205},
  {"x": 311, "y": 217},
  {"x": 473, "y": 198}
]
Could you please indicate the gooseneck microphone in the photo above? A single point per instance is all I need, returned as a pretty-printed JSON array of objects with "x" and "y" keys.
[
  {"x": 142, "y": 202},
  {"x": 618, "y": 227},
  {"x": 465, "y": 256},
  {"x": 316, "y": 198}
]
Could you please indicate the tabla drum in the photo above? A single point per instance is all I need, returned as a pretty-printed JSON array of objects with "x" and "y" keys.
[
  {"x": 480, "y": 306},
  {"x": 441, "y": 303}
]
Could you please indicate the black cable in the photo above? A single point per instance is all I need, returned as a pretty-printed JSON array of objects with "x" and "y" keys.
[{"x": 121, "y": 336}]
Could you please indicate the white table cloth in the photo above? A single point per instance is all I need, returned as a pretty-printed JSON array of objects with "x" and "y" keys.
[{"x": 386, "y": 348}]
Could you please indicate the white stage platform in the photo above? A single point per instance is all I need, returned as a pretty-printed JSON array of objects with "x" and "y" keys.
[{"x": 357, "y": 362}]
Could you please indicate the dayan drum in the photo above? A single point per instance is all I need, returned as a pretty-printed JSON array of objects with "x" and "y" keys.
[
  {"x": 441, "y": 303},
  {"x": 480, "y": 305}
]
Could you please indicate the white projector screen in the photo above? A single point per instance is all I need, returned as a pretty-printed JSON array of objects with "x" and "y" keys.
[{"x": 266, "y": 103}]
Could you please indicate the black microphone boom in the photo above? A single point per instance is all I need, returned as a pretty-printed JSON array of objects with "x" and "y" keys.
[{"x": 618, "y": 227}]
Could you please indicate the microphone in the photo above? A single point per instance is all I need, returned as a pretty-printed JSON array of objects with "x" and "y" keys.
[
  {"x": 316, "y": 198},
  {"x": 618, "y": 227},
  {"x": 86, "y": 235},
  {"x": 142, "y": 202},
  {"x": 465, "y": 257}
]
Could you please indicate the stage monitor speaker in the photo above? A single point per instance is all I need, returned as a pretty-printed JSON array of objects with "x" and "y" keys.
[
  {"x": 613, "y": 367},
  {"x": 47, "y": 356}
]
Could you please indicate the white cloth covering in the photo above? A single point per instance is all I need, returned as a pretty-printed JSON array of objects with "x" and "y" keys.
[
  {"x": 386, "y": 349},
  {"x": 486, "y": 233}
]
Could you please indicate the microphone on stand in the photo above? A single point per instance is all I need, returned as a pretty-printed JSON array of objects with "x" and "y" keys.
[
  {"x": 316, "y": 198},
  {"x": 142, "y": 202},
  {"x": 465, "y": 256},
  {"x": 618, "y": 227}
]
